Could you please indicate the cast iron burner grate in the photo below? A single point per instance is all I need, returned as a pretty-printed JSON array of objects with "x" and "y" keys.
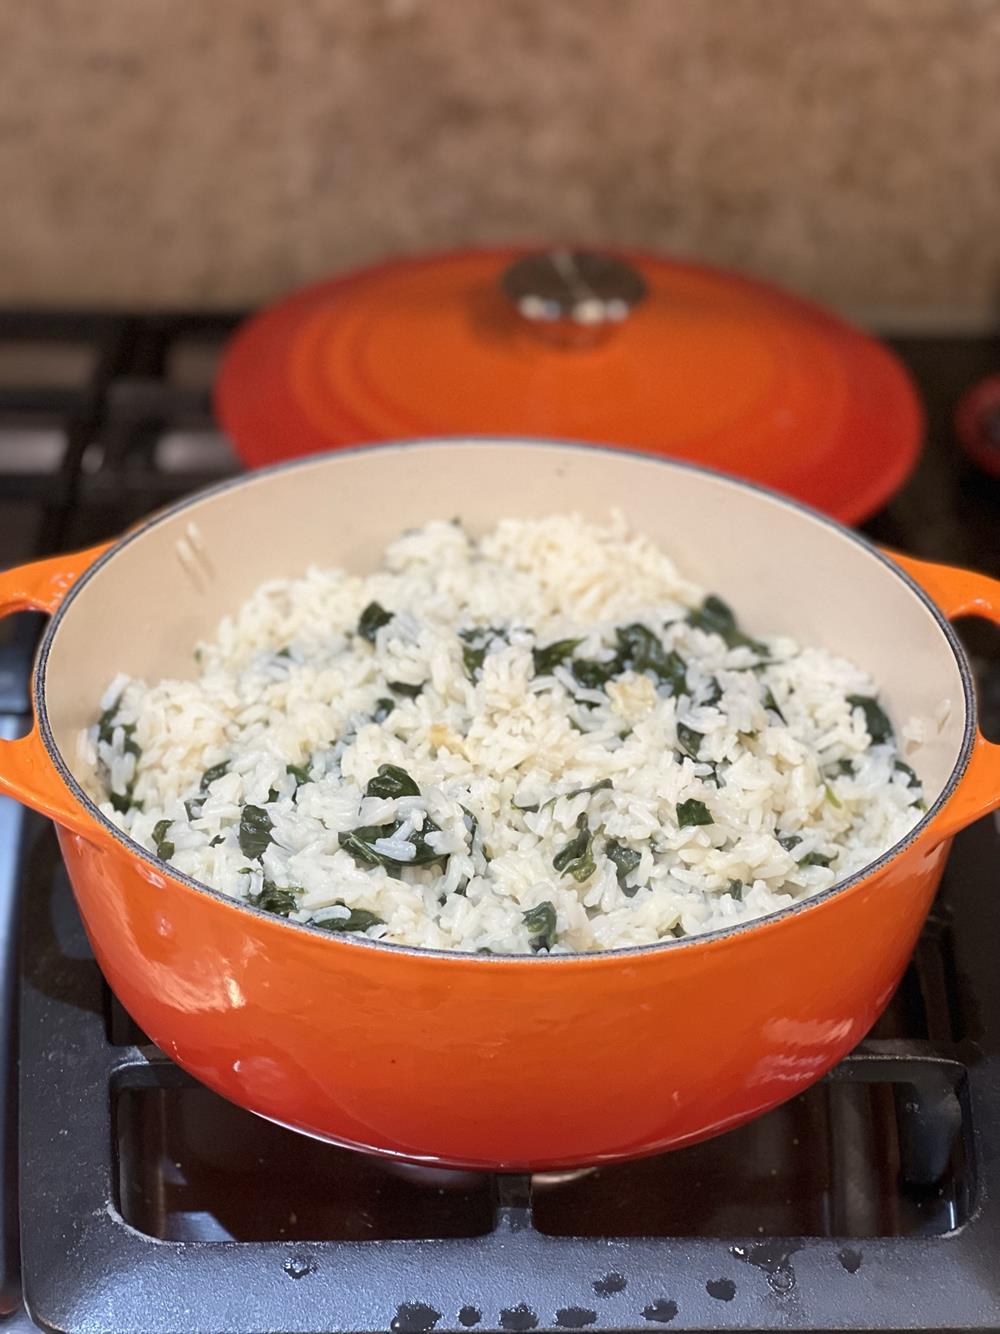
[
  {"x": 872, "y": 1201},
  {"x": 149, "y": 1204}
]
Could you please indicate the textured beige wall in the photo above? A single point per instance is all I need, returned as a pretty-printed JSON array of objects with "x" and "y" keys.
[{"x": 218, "y": 152}]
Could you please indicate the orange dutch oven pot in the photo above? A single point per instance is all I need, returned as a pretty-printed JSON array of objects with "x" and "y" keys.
[{"x": 497, "y": 1062}]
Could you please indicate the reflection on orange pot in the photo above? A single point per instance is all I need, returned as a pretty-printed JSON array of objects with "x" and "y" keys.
[{"x": 516, "y": 1062}]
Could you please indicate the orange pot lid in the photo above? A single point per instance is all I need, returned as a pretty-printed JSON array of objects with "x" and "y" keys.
[{"x": 680, "y": 359}]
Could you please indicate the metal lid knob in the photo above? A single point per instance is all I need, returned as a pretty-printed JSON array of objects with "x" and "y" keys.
[{"x": 573, "y": 297}]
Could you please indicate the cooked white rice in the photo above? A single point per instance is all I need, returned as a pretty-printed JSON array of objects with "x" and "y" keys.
[{"x": 662, "y": 775}]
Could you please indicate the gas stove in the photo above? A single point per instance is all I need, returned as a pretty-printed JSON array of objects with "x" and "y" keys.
[{"x": 135, "y": 1200}]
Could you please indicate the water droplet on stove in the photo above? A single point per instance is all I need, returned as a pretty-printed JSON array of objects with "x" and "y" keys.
[
  {"x": 610, "y": 1285},
  {"x": 662, "y": 1311},
  {"x": 518, "y": 1319},
  {"x": 298, "y": 1267},
  {"x": 414, "y": 1318},
  {"x": 722, "y": 1289},
  {"x": 772, "y": 1258},
  {"x": 575, "y": 1317},
  {"x": 850, "y": 1259}
]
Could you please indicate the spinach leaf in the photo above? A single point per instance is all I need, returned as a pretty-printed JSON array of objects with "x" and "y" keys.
[
  {"x": 472, "y": 660},
  {"x": 255, "y": 831},
  {"x": 736, "y": 888},
  {"x": 358, "y": 919},
  {"x": 544, "y": 660},
  {"x": 625, "y": 861},
  {"x": 219, "y": 838},
  {"x": 479, "y": 634},
  {"x": 604, "y": 785},
  {"x": 843, "y": 767},
  {"x": 693, "y": 812},
  {"x": 391, "y": 781},
  {"x": 640, "y": 650},
  {"x": 405, "y": 688},
  {"x": 210, "y": 775},
  {"x": 815, "y": 859},
  {"x": 541, "y": 924},
  {"x": 689, "y": 740},
  {"x": 383, "y": 707},
  {"x": 532, "y": 808},
  {"x": 372, "y": 619},
  {"x": 273, "y": 899},
  {"x": 285, "y": 652},
  {"x": 106, "y": 723},
  {"x": 577, "y": 857},
  {"x": 478, "y": 642},
  {"x": 716, "y": 617},
  {"x": 771, "y": 703},
  {"x": 789, "y": 841},
  {"x": 714, "y": 693},
  {"x": 472, "y": 825},
  {"x": 360, "y": 843},
  {"x": 911, "y": 778},
  {"x": 300, "y": 772},
  {"x": 164, "y": 847},
  {"x": 123, "y": 802},
  {"x": 876, "y": 721},
  {"x": 594, "y": 675},
  {"x": 107, "y": 726},
  {"x": 272, "y": 795},
  {"x": 675, "y": 674}
]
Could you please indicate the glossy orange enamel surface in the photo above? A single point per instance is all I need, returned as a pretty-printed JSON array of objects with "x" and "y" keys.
[
  {"x": 711, "y": 366},
  {"x": 513, "y": 1063},
  {"x": 517, "y": 1062},
  {"x": 26, "y": 771},
  {"x": 963, "y": 593}
]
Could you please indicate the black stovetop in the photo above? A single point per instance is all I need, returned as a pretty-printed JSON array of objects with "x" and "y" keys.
[{"x": 147, "y": 1203}]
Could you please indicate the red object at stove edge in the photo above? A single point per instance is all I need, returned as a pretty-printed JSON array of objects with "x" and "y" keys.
[{"x": 977, "y": 423}]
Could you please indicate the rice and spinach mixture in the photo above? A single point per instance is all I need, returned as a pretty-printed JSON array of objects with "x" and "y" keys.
[{"x": 545, "y": 739}]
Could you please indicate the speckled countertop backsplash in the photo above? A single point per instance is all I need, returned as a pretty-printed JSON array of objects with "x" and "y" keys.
[{"x": 180, "y": 152}]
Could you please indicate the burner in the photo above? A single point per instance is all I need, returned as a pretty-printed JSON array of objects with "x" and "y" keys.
[{"x": 147, "y": 1203}]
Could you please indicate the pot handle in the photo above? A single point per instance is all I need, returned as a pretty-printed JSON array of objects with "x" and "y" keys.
[
  {"x": 963, "y": 593},
  {"x": 26, "y": 771}
]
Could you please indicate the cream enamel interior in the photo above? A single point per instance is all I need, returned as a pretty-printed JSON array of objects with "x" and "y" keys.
[{"x": 782, "y": 569}]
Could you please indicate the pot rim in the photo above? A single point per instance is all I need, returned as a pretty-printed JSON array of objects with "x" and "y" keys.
[{"x": 718, "y": 937}]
